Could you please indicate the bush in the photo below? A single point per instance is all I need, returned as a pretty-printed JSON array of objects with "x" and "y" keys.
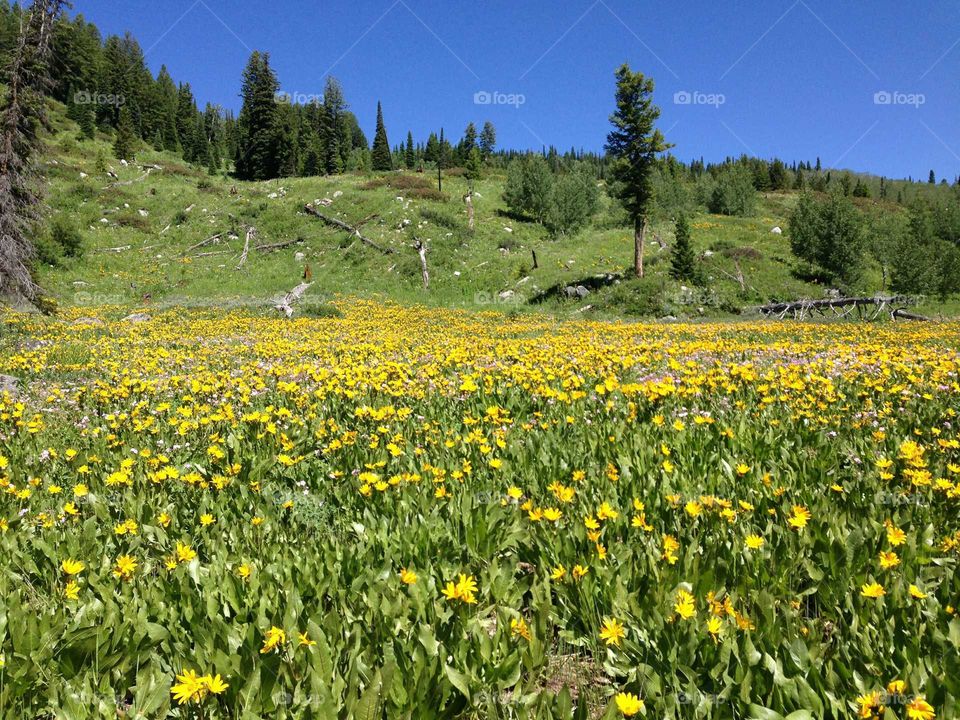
[
  {"x": 734, "y": 193},
  {"x": 67, "y": 237},
  {"x": 529, "y": 187},
  {"x": 573, "y": 201},
  {"x": 829, "y": 234}
]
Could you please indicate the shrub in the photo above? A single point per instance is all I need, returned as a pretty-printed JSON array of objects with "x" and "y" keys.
[
  {"x": 529, "y": 187},
  {"x": 734, "y": 193},
  {"x": 66, "y": 236},
  {"x": 573, "y": 201}
]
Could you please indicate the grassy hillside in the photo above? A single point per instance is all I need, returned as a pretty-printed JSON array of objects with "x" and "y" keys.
[{"x": 138, "y": 227}]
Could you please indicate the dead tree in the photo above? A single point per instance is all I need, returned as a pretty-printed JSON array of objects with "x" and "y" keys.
[
  {"x": 422, "y": 252},
  {"x": 867, "y": 308},
  {"x": 286, "y": 303},
  {"x": 534, "y": 253},
  {"x": 468, "y": 200},
  {"x": 251, "y": 231},
  {"x": 311, "y": 210}
]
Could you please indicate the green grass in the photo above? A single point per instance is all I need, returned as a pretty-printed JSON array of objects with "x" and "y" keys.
[{"x": 134, "y": 259}]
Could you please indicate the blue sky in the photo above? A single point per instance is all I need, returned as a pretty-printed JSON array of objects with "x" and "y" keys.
[{"x": 791, "y": 78}]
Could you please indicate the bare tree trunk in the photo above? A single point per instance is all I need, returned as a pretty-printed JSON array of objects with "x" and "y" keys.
[
  {"x": 639, "y": 238},
  {"x": 251, "y": 231},
  {"x": 468, "y": 199},
  {"x": 534, "y": 253},
  {"x": 422, "y": 252}
]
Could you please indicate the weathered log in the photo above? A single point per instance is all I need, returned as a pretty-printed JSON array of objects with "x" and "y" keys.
[
  {"x": 270, "y": 247},
  {"x": 212, "y": 238},
  {"x": 901, "y": 313},
  {"x": 800, "y": 308},
  {"x": 347, "y": 228},
  {"x": 286, "y": 304}
]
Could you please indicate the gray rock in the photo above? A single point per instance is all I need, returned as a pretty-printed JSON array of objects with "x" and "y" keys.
[
  {"x": 581, "y": 291},
  {"x": 9, "y": 384},
  {"x": 570, "y": 291},
  {"x": 776, "y": 230},
  {"x": 506, "y": 295},
  {"x": 299, "y": 257},
  {"x": 88, "y": 321},
  {"x": 136, "y": 318}
]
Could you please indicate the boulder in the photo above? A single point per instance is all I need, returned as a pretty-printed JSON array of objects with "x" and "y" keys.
[
  {"x": 776, "y": 230},
  {"x": 581, "y": 291},
  {"x": 9, "y": 384},
  {"x": 136, "y": 318},
  {"x": 506, "y": 295},
  {"x": 88, "y": 321}
]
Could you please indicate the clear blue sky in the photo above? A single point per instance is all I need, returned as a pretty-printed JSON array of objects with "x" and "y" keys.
[{"x": 797, "y": 78}]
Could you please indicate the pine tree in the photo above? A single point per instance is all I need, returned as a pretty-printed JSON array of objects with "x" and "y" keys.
[
  {"x": 123, "y": 144},
  {"x": 473, "y": 165},
  {"x": 332, "y": 134},
  {"x": 634, "y": 144},
  {"x": 683, "y": 262},
  {"x": 410, "y": 156},
  {"x": 488, "y": 140},
  {"x": 22, "y": 116},
  {"x": 933, "y": 178},
  {"x": 432, "y": 151},
  {"x": 185, "y": 120},
  {"x": 381, "y": 159},
  {"x": 167, "y": 94},
  {"x": 256, "y": 157}
]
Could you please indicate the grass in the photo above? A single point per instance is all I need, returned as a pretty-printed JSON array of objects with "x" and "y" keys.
[{"x": 137, "y": 230}]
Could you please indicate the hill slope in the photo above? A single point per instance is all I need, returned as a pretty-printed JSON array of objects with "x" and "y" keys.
[{"x": 141, "y": 229}]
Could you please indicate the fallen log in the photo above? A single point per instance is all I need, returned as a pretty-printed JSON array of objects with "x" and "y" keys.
[
  {"x": 347, "y": 228},
  {"x": 212, "y": 238},
  {"x": 277, "y": 246},
  {"x": 286, "y": 304},
  {"x": 127, "y": 182},
  {"x": 800, "y": 309},
  {"x": 901, "y": 313}
]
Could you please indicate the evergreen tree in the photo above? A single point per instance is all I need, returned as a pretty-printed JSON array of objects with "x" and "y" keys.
[
  {"x": 332, "y": 133},
  {"x": 933, "y": 178},
  {"x": 634, "y": 144},
  {"x": 432, "y": 151},
  {"x": 185, "y": 121},
  {"x": 22, "y": 116},
  {"x": 256, "y": 157},
  {"x": 167, "y": 98},
  {"x": 381, "y": 159},
  {"x": 473, "y": 165},
  {"x": 123, "y": 144},
  {"x": 683, "y": 262},
  {"x": 488, "y": 140},
  {"x": 410, "y": 156}
]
